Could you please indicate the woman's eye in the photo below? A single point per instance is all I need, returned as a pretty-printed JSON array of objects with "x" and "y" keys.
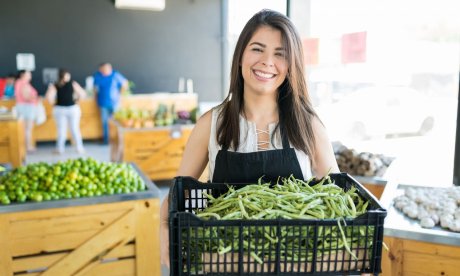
[
  {"x": 257, "y": 50},
  {"x": 279, "y": 54}
]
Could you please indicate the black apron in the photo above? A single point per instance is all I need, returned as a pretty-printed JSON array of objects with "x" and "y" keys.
[{"x": 237, "y": 167}]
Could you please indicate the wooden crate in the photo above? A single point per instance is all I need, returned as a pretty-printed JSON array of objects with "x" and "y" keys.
[
  {"x": 12, "y": 144},
  {"x": 118, "y": 238},
  {"x": 376, "y": 190},
  {"x": 414, "y": 258},
  {"x": 375, "y": 184},
  {"x": 156, "y": 151}
]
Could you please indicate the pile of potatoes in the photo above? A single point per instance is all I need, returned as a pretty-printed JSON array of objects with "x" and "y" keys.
[{"x": 361, "y": 163}]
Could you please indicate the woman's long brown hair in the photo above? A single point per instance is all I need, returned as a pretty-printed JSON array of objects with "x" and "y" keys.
[{"x": 295, "y": 109}]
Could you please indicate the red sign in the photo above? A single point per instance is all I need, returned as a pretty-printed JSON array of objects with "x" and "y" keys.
[
  {"x": 310, "y": 50},
  {"x": 354, "y": 47}
]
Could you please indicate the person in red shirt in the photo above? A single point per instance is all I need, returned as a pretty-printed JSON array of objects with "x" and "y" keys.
[
  {"x": 26, "y": 105},
  {"x": 2, "y": 87}
]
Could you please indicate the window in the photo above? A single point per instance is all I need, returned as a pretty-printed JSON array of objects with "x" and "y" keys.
[{"x": 383, "y": 76}]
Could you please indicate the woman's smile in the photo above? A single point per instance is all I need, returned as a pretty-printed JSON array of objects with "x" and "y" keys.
[{"x": 263, "y": 76}]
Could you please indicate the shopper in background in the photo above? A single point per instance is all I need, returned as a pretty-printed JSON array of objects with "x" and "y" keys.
[
  {"x": 108, "y": 85},
  {"x": 26, "y": 105},
  {"x": 64, "y": 94},
  {"x": 7, "y": 86},
  {"x": 267, "y": 125}
]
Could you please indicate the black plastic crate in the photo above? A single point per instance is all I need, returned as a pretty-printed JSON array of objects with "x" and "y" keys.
[{"x": 295, "y": 250}]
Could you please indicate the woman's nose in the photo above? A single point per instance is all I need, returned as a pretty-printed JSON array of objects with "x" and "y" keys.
[{"x": 267, "y": 60}]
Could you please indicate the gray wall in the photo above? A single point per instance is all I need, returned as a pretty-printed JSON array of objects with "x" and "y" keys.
[{"x": 153, "y": 49}]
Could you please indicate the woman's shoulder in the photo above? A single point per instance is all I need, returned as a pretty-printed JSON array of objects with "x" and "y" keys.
[{"x": 204, "y": 122}]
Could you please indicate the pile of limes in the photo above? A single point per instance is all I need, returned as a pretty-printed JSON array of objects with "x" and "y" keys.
[{"x": 74, "y": 178}]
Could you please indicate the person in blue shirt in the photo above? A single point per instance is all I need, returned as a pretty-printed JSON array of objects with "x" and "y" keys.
[{"x": 108, "y": 85}]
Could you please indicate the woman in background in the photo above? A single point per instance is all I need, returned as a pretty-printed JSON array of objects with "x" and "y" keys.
[
  {"x": 26, "y": 105},
  {"x": 64, "y": 94}
]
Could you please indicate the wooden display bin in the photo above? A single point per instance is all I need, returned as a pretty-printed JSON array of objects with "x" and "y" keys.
[
  {"x": 90, "y": 122},
  {"x": 413, "y": 258},
  {"x": 156, "y": 151},
  {"x": 12, "y": 145},
  {"x": 95, "y": 236}
]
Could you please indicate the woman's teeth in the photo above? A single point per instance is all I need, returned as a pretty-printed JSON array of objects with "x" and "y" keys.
[{"x": 264, "y": 75}]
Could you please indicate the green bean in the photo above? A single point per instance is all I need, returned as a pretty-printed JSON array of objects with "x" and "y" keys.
[
  {"x": 352, "y": 205},
  {"x": 233, "y": 215},
  {"x": 202, "y": 215},
  {"x": 345, "y": 239},
  {"x": 254, "y": 255},
  {"x": 311, "y": 205},
  {"x": 243, "y": 210}
]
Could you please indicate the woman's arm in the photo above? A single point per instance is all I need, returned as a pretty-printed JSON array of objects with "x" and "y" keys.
[
  {"x": 50, "y": 94},
  {"x": 195, "y": 155},
  {"x": 193, "y": 162},
  {"x": 80, "y": 93},
  {"x": 324, "y": 159}
]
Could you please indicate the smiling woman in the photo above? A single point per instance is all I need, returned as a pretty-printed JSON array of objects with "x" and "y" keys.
[{"x": 266, "y": 126}]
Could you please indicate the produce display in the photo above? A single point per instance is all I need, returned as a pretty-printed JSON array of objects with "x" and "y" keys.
[
  {"x": 73, "y": 178},
  {"x": 361, "y": 163},
  {"x": 162, "y": 116},
  {"x": 290, "y": 199},
  {"x": 431, "y": 206},
  {"x": 7, "y": 114}
]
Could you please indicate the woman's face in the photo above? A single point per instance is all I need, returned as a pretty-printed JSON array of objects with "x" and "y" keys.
[
  {"x": 66, "y": 77},
  {"x": 263, "y": 65},
  {"x": 27, "y": 76}
]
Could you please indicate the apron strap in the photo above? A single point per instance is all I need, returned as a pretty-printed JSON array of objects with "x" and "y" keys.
[{"x": 285, "y": 139}]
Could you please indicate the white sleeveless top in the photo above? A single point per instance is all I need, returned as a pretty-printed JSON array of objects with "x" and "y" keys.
[{"x": 248, "y": 143}]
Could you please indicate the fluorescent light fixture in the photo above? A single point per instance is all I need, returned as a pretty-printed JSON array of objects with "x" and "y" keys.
[{"x": 154, "y": 5}]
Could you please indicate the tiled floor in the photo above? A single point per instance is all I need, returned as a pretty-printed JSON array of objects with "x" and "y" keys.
[{"x": 92, "y": 149}]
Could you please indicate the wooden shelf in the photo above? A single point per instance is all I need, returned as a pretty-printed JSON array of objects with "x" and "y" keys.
[
  {"x": 92, "y": 239},
  {"x": 12, "y": 144}
]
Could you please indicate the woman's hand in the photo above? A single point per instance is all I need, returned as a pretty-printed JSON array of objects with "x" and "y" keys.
[{"x": 50, "y": 94}]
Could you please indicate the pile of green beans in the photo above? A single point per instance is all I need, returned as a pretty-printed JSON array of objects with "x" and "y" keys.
[
  {"x": 293, "y": 199},
  {"x": 290, "y": 198}
]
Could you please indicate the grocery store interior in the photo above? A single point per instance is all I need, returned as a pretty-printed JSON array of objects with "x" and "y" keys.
[{"x": 383, "y": 77}]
